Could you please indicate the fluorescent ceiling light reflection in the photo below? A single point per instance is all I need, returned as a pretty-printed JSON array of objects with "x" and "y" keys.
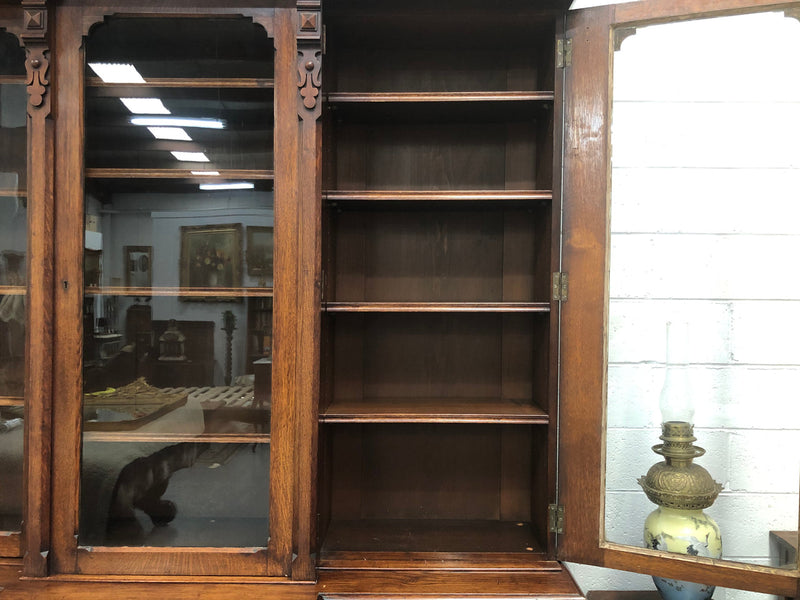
[
  {"x": 117, "y": 72},
  {"x": 170, "y": 133},
  {"x": 207, "y": 173},
  {"x": 190, "y": 156},
  {"x": 145, "y": 106},
  {"x": 178, "y": 122},
  {"x": 233, "y": 185}
]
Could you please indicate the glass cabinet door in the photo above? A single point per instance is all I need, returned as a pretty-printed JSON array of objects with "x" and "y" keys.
[
  {"x": 694, "y": 314},
  {"x": 177, "y": 308},
  {"x": 13, "y": 288}
]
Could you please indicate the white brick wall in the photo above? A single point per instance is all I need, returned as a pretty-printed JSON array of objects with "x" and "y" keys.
[{"x": 705, "y": 226}]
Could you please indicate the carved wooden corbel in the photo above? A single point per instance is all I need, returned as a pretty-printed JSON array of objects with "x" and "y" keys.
[
  {"x": 309, "y": 57},
  {"x": 309, "y": 70},
  {"x": 37, "y": 63},
  {"x": 37, "y": 66}
]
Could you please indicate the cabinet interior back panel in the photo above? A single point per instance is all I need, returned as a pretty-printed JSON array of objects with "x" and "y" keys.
[
  {"x": 456, "y": 155},
  {"x": 442, "y": 256},
  {"x": 432, "y": 471},
  {"x": 439, "y": 70},
  {"x": 389, "y": 357}
]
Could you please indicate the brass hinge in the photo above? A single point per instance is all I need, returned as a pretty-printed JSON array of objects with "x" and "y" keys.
[
  {"x": 555, "y": 518},
  {"x": 563, "y": 53},
  {"x": 560, "y": 287}
]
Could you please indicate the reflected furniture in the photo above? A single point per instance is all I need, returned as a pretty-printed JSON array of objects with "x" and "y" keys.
[{"x": 197, "y": 369}]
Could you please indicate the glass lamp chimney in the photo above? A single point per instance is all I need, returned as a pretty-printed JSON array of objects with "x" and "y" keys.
[{"x": 676, "y": 402}]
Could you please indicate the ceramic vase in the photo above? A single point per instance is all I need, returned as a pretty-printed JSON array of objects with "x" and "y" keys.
[{"x": 682, "y": 531}]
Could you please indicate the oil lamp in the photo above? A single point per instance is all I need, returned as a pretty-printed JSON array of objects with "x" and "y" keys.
[{"x": 680, "y": 488}]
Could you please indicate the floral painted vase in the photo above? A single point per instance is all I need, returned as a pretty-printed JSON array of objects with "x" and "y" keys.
[{"x": 683, "y": 531}]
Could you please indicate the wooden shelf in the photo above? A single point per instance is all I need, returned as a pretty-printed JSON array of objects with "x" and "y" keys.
[
  {"x": 242, "y": 292},
  {"x": 437, "y": 307},
  {"x": 427, "y": 535},
  {"x": 218, "y": 438},
  {"x": 13, "y": 194},
  {"x": 436, "y": 195},
  {"x": 12, "y": 400},
  {"x": 435, "y": 410},
  {"x": 422, "y": 97}
]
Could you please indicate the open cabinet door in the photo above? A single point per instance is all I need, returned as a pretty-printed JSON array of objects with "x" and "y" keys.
[{"x": 684, "y": 222}]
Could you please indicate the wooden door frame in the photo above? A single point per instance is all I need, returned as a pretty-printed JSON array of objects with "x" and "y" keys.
[
  {"x": 30, "y": 25},
  {"x": 584, "y": 326},
  {"x": 74, "y": 19}
]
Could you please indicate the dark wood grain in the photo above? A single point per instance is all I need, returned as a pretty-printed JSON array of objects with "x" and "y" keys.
[
  {"x": 433, "y": 472},
  {"x": 430, "y": 539},
  {"x": 465, "y": 50},
  {"x": 457, "y": 255},
  {"x": 399, "y": 152},
  {"x": 434, "y": 355}
]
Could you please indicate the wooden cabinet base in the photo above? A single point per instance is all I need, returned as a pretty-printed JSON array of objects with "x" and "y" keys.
[{"x": 554, "y": 582}]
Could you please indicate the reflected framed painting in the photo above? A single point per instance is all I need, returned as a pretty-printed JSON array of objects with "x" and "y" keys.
[
  {"x": 259, "y": 252},
  {"x": 211, "y": 263},
  {"x": 138, "y": 266}
]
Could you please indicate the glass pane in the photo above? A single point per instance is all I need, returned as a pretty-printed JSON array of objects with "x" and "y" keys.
[
  {"x": 243, "y": 140},
  {"x": 178, "y": 291},
  {"x": 705, "y": 229},
  {"x": 13, "y": 246}
]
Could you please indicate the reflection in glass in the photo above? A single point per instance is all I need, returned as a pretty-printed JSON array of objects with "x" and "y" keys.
[
  {"x": 704, "y": 214},
  {"x": 175, "y": 494},
  {"x": 177, "y": 324},
  {"x": 13, "y": 247},
  {"x": 243, "y": 141}
]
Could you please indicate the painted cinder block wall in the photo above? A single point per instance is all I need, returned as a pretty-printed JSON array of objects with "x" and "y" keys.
[{"x": 705, "y": 228}]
